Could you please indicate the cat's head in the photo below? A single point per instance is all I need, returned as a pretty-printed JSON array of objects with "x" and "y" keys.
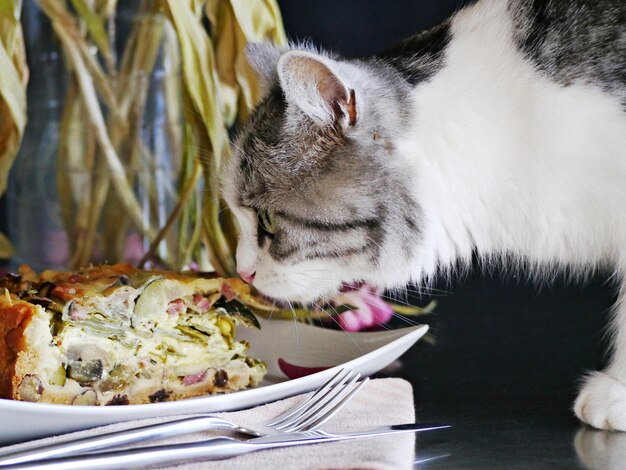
[{"x": 316, "y": 184}]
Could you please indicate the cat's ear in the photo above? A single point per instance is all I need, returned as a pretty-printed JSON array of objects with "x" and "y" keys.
[
  {"x": 263, "y": 57},
  {"x": 311, "y": 82}
]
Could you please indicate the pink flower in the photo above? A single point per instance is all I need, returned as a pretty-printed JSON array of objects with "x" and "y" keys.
[
  {"x": 57, "y": 248},
  {"x": 134, "y": 248},
  {"x": 369, "y": 309}
]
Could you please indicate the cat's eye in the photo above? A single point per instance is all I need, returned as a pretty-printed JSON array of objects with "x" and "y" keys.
[{"x": 267, "y": 221}]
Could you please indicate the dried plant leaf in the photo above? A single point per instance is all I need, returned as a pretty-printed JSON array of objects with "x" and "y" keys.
[
  {"x": 229, "y": 41},
  {"x": 13, "y": 80},
  {"x": 94, "y": 208},
  {"x": 12, "y": 91},
  {"x": 204, "y": 116},
  {"x": 110, "y": 148},
  {"x": 412, "y": 310},
  {"x": 190, "y": 223},
  {"x": 105, "y": 8},
  {"x": 63, "y": 20},
  {"x": 87, "y": 233},
  {"x": 88, "y": 92},
  {"x": 6, "y": 249},
  {"x": 234, "y": 23},
  {"x": 95, "y": 26},
  {"x": 172, "y": 91},
  {"x": 198, "y": 70},
  {"x": 140, "y": 53},
  {"x": 73, "y": 131},
  {"x": 187, "y": 191},
  {"x": 132, "y": 82}
]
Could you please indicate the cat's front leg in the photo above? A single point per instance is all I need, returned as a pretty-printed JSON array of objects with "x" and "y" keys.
[{"x": 601, "y": 402}]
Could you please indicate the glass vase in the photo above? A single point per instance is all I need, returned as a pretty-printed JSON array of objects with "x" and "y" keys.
[{"x": 65, "y": 208}]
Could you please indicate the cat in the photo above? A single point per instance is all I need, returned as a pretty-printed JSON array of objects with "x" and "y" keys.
[{"x": 500, "y": 133}]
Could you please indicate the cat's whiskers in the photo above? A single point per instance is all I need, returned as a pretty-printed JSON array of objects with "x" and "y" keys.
[
  {"x": 382, "y": 294},
  {"x": 234, "y": 145},
  {"x": 332, "y": 317},
  {"x": 380, "y": 324},
  {"x": 272, "y": 310},
  {"x": 192, "y": 110},
  {"x": 222, "y": 210},
  {"x": 199, "y": 191},
  {"x": 423, "y": 287},
  {"x": 398, "y": 294},
  {"x": 403, "y": 318},
  {"x": 395, "y": 300},
  {"x": 414, "y": 289},
  {"x": 297, "y": 324},
  {"x": 204, "y": 155}
]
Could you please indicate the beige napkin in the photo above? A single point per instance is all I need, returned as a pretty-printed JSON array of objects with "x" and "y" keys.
[{"x": 380, "y": 402}]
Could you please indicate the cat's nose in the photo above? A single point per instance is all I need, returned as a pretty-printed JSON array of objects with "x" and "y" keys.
[{"x": 247, "y": 276}]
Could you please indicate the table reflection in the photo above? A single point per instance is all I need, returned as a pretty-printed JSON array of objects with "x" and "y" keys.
[{"x": 601, "y": 450}]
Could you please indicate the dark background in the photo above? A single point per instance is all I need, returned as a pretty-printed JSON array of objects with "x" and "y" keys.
[
  {"x": 361, "y": 27},
  {"x": 509, "y": 353}
]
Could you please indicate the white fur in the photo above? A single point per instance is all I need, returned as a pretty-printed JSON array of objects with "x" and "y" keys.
[{"x": 508, "y": 163}]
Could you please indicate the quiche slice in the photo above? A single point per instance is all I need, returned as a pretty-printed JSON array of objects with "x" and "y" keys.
[{"x": 115, "y": 335}]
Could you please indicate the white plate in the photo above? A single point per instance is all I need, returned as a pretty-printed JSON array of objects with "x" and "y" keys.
[{"x": 299, "y": 344}]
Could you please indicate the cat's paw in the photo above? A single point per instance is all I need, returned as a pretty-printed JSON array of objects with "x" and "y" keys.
[{"x": 601, "y": 403}]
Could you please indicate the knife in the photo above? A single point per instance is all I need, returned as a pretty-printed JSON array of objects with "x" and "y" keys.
[
  {"x": 210, "y": 449},
  {"x": 327, "y": 436}
]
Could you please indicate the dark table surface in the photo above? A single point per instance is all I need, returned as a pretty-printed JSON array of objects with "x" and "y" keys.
[{"x": 504, "y": 371}]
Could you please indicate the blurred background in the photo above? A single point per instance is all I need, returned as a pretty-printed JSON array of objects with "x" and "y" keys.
[{"x": 356, "y": 28}]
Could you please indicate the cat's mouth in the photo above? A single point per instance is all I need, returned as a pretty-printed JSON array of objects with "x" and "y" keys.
[
  {"x": 351, "y": 286},
  {"x": 285, "y": 304}
]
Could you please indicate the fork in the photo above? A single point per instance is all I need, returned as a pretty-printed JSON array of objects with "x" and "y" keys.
[{"x": 308, "y": 416}]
